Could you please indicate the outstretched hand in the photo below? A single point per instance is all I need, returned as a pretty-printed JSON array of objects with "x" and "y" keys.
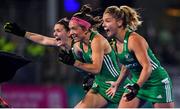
[
  {"x": 133, "y": 91},
  {"x": 14, "y": 29},
  {"x": 66, "y": 57},
  {"x": 111, "y": 91}
]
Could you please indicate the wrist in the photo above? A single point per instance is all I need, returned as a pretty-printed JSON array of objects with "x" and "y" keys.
[
  {"x": 22, "y": 33},
  {"x": 116, "y": 83},
  {"x": 136, "y": 86},
  {"x": 76, "y": 63},
  {"x": 139, "y": 83},
  {"x": 26, "y": 35}
]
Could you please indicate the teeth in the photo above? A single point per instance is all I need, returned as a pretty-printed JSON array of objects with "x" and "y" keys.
[
  {"x": 57, "y": 38},
  {"x": 107, "y": 30}
]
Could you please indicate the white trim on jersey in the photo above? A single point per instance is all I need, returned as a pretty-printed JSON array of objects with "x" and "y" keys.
[
  {"x": 110, "y": 66},
  {"x": 168, "y": 89},
  {"x": 154, "y": 65}
]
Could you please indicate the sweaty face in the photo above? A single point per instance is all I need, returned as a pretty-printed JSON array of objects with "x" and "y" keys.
[
  {"x": 110, "y": 25},
  {"x": 60, "y": 34},
  {"x": 76, "y": 31}
]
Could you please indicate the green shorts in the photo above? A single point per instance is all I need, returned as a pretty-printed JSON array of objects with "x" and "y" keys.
[
  {"x": 101, "y": 87},
  {"x": 161, "y": 93}
]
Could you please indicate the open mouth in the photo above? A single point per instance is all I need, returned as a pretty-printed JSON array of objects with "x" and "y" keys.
[
  {"x": 107, "y": 30},
  {"x": 59, "y": 41}
]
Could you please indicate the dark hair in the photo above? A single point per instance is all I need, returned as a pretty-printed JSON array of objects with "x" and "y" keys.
[
  {"x": 65, "y": 23},
  {"x": 85, "y": 14}
]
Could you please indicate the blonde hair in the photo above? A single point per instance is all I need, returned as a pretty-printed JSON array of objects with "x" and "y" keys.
[{"x": 130, "y": 17}]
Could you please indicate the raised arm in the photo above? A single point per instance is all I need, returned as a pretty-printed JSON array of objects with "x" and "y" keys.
[
  {"x": 17, "y": 30},
  {"x": 40, "y": 39}
]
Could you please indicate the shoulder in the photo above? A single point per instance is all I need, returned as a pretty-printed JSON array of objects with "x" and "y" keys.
[
  {"x": 136, "y": 40},
  {"x": 99, "y": 38},
  {"x": 135, "y": 37}
]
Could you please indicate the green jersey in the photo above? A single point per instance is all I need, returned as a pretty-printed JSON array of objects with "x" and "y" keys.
[
  {"x": 109, "y": 72},
  {"x": 158, "y": 77}
]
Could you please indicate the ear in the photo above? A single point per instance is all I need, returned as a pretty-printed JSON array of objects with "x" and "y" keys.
[
  {"x": 85, "y": 30},
  {"x": 68, "y": 33},
  {"x": 119, "y": 22}
]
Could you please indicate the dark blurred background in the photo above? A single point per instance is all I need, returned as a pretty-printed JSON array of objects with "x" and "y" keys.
[{"x": 46, "y": 82}]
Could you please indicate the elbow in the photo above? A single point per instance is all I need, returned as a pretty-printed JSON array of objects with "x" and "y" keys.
[
  {"x": 149, "y": 68},
  {"x": 96, "y": 68},
  {"x": 96, "y": 71}
]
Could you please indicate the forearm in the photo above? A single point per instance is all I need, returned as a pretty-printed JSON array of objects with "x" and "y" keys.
[
  {"x": 87, "y": 67},
  {"x": 123, "y": 75},
  {"x": 145, "y": 74},
  {"x": 40, "y": 39}
]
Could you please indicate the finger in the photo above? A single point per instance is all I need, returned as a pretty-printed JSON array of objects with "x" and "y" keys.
[
  {"x": 129, "y": 96},
  {"x": 64, "y": 51},
  {"x": 109, "y": 95},
  {"x": 108, "y": 82},
  {"x": 112, "y": 95},
  {"x": 6, "y": 24},
  {"x": 126, "y": 85},
  {"x": 129, "y": 90},
  {"x": 60, "y": 55},
  {"x": 7, "y": 30},
  {"x": 126, "y": 98},
  {"x": 108, "y": 90},
  {"x": 7, "y": 27},
  {"x": 60, "y": 58}
]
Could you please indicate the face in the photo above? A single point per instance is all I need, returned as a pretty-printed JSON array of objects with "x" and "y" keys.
[
  {"x": 110, "y": 25},
  {"x": 60, "y": 34},
  {"x": 76, "y": 32}
]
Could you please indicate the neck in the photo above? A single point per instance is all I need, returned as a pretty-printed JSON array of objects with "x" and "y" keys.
[
  {"x": 86, "y": 38},
  {"x": 69, "y": 44},
  {"x": 120, "y": 35}
]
